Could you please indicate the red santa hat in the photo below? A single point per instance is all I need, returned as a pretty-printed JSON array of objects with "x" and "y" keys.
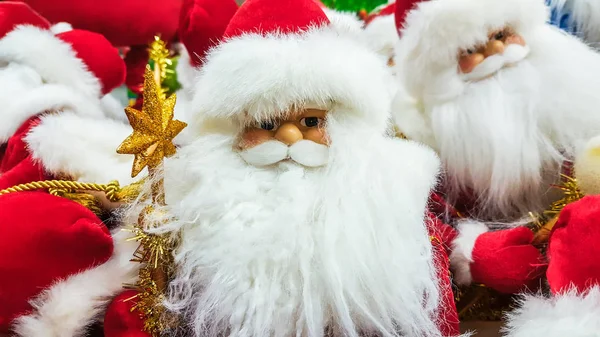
[
  {"x": 381, "y": 30},
  {"x": 282, "y": 53},
  {"x": 202, "y": 24},
  {"x": 76, "y": 66}
]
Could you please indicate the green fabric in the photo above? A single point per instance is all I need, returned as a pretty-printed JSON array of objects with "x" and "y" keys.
[{"x": 353, "y": 5}]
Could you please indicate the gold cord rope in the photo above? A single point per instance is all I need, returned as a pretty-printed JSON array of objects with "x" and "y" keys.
[{"x": 58, "y": 187}]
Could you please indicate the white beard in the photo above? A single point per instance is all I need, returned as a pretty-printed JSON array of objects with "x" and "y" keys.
[
  {"x": 493, "y": 144},
  {"x": 292, "y": 251}
]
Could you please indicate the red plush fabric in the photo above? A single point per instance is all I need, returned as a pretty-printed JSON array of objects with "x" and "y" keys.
[
  {"x": 17, "y": 165},
  {"x": 447, "y": 319},
  {"x": 507, "y": 261},
  {"x": 16, "y": 13},
  {"x": 270, "y": 16},
  {"x": 385, "y": 11},
  {"x": 122, "y": 22},
  {"x": 120, "y": 320},
  {"x": 402, "y": 9},
  {"x": 573, "y": 249},
  {"x": 441, "y": 231},
  {"x": 101, "y": 58},
  {"x": 44, "y": 238},
  {"x": 202, "y": 24},
  {"x": 136, "y": 60},
  {"x": 16, "y": 148}
]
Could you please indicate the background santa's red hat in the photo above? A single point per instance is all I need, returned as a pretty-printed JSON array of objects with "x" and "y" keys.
[
  {"x": 202, "y": 24},
  {"x": 76, "y": 67},
  {"x": 280, "y": 53}
]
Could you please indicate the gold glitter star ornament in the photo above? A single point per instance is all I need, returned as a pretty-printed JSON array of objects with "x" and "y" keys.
[{"x": 153, "y": 128}]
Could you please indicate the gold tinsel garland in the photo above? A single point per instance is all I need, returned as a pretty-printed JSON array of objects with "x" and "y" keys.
[{"x": 151, "y": 141}]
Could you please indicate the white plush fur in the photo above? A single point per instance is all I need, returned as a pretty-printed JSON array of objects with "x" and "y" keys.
[
  {"x": 52, "y": 58},
  {"x": 381, "y": 35},
  {"x": 257, "y": 77},
  {"x": 503, "y": 138},
  {"x": 186, "y": 72},
  {"x": 587, "y": 167},
  {"x": 71, "y": 305},
  {"x": 462, "y": 250},
  {"x": 16, "y": 81},
  {"x": 61, "y": 27},
  {"x": 43, "y": 98},
  {"x": 83, "y": 147},
  {"x": 569, "y": 314},
  {"x": 344, "y": 22},
  {"x": 584, "y": 17},
  {"x": 288, "y": 250},
  {"x": 113, "y": 109}
]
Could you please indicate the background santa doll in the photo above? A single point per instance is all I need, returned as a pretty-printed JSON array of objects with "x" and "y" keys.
[
  {"x": 504, "y": 97},
  {"x": 54, "y": 127},
  {"x": 294, "y": 219}
]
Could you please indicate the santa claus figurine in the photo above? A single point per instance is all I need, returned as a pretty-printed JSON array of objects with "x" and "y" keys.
[
  {"x": 294, "y": 218},
  {"x": 504, "y": 97},
  {"x": 55, "y": 128}
]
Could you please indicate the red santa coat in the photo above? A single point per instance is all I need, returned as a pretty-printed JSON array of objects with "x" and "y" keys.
[{"x": 46, "y": 241}]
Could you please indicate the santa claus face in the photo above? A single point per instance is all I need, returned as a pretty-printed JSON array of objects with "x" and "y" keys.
[
  {"x": 503, "y": 48},
  {"x": 299, "y": 136}
]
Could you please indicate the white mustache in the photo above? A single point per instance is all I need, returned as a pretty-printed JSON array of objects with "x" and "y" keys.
[
  {"x": 511, "y": 55},
  {"x": 304, "y": 152}
]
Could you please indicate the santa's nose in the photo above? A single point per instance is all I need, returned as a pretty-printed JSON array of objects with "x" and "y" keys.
[
  {"x": 288, "y": 134},
  {"x": 493, "y": 47}
]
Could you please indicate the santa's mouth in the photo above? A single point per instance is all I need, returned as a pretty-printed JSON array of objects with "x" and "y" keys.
[
  {"x": 493, "y": 64},
  {"x": 304, "y": 152}
]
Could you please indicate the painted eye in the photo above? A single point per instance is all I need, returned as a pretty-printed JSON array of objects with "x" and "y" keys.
[
  {"x": 499, "y": 36},
  {"x": 268, "y": 125},
  {"x": 310, "y": 122},
  {"x": 470, "y": 51}
]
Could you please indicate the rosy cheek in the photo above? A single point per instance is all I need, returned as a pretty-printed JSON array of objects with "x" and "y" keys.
[
  {"x": 515, "y": 39},
  {"x": 253, "y": 137},
  {"x": 317, "y": 135},
  {"x": 467, "y": 63}
]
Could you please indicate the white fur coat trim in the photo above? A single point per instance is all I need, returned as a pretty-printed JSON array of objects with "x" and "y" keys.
[
  {"x": 49, "y": 97},
  {"x": 51, "y": 57},
  {"x": 257, "y": 77},
  {"x": 462, "y": 250},
  {"x": 82, "y": 147},
  {"x": 69, "y": 306},
  {"x": 571, "y": 314}
]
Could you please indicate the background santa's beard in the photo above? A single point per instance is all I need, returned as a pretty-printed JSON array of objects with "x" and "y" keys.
[
  {"x": 492, "y": 146},
  {"x": 291, "y": 251}
]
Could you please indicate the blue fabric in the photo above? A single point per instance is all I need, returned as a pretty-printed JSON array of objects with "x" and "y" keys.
[{"x": 561, "y": 19}]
